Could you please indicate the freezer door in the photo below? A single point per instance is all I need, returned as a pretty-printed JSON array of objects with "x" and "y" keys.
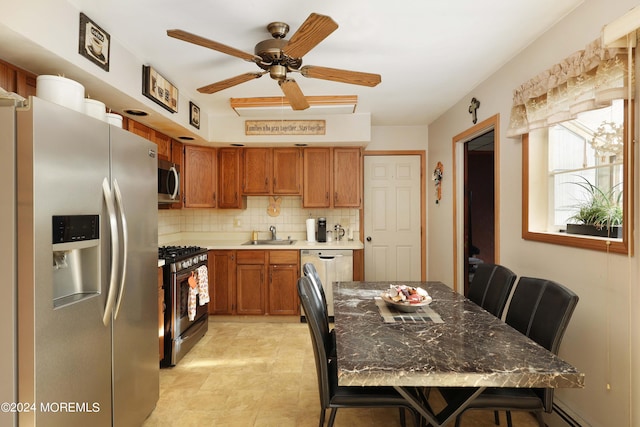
[
  {"x": 135, "y": 322},
  {"x": 64, "y": 348}
]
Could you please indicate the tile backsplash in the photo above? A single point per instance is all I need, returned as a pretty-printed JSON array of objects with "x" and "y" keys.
[{"x": 290, "y": 221}]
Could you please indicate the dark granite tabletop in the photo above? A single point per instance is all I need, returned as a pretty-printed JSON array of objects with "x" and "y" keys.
[{"x": 471, "y": 348}]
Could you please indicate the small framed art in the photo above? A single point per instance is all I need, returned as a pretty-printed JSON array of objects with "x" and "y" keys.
[
  {"x": 158, "y": 89},
  {"x": 194, "y": 115},
  {"x": 95, "y": 42}
]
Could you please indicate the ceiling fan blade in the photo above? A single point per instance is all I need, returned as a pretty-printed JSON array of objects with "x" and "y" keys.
[
  {"x": 225, "y": 84},
  {"x": 294, "y": 94},
  {"x": 201, "y": 41},
  {"x": 343, "y": 76},
  {"x": 312, "y": 31}
]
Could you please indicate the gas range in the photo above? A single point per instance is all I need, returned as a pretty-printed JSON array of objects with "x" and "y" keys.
[{"x": 180, "y": 258}]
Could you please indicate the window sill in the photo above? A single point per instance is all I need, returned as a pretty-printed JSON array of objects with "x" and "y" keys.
[{"x": 603, "y": 244}]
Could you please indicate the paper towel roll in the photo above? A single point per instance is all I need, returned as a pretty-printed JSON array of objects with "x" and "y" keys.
[{"x": 311, "y": 230}]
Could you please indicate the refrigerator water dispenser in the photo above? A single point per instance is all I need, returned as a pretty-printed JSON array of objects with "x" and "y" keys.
[{"x": 76, "y": 258}]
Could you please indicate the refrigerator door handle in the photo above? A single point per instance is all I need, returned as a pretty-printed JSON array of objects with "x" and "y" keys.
[
  {"x": 174, "y": 171},
  {"x": 115, "y": 245},
  {"x": 125, "y": 244}
]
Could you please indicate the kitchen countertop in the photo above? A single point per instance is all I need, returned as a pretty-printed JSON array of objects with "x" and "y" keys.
[{"x": 228, "y": 241}]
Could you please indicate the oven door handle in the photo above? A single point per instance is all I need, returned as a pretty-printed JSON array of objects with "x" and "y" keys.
[
  {"x": 115, "y": 249},
  {"x": 125, "y": 245}
]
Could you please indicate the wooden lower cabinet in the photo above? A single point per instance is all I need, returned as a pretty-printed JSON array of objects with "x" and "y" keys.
[
  {"x": 284, "y": 271},
  {"x": 254, "y": 282},
  {"x": 222, "y": 281}
]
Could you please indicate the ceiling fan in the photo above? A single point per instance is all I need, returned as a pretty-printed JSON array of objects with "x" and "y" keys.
[{"x": 278, "y": 57}]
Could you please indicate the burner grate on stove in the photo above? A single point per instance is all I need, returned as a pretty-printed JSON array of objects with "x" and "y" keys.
[{"x": 176, "y": 253}]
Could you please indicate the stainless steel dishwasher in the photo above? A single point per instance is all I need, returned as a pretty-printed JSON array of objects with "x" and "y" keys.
[{"x": 333, "y": 265}]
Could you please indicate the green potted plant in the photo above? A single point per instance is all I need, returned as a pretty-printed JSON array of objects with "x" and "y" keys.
[{"x": 600, "y": 214}]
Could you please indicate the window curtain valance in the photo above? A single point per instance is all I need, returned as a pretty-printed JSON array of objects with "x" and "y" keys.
[{"x": 586, "y": 80}]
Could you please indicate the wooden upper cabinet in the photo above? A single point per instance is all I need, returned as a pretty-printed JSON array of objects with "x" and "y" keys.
[
  {"x": 287, "y": 171},
  {"x": 332, "y": 177},
  {"x": 139, "y": 129},
  {"x": 256, "y": 178},
  {"x": 276, "y": 171},
  {"x": 14, "y": 79},
  {"x": 199, "y": 177},
  {"x": 347, "y": 177},
  {"x": 229, "y": 173},
  {"x": 163, "y": 142},
  {"x": 317, "y": 178}
]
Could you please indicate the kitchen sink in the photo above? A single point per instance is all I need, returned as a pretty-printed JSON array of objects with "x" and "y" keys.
[{"x": 270, "y": 242}]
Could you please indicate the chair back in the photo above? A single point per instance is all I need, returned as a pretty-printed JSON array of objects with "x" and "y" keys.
[
  {"x": 320, "y": 339},
  {"x": 310, "y": 271},
  {"x": 541, "y": 309},
  {"x": 491, "y": 286}
]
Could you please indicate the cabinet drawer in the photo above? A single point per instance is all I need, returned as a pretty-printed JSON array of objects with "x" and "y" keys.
[
  {"x": 250, "y": 257},
  {"x": 283, "y": 257}
]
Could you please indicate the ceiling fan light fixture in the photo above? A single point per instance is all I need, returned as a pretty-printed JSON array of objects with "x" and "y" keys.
[
  {"x": 278, "y": 72},
  {"x": 318, "y": 105}
]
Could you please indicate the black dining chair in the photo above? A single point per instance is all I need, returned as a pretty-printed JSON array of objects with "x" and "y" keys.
[
  {"x": 491, "y": 286},
  {"x": 331, "y": 394},
  {"x": 311, "y": 273},
  {"x": 540, "y": 309}
]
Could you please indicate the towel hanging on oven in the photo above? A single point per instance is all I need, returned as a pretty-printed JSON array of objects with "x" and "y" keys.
[
  {"x": 203, "y": 284},
  {"x": 198, "y": 286}
]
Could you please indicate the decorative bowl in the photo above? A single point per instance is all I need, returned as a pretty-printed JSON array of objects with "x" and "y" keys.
[{"x": 405, "y": 306}]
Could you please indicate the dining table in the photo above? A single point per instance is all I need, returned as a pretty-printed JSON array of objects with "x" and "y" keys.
[{"x": 451, "y": 342}]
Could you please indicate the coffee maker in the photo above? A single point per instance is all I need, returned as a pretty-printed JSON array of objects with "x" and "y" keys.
[{"x": 322, "y": 229}]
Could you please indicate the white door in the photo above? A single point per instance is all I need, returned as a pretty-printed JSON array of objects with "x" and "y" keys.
[{"x": 392, "y": 227}]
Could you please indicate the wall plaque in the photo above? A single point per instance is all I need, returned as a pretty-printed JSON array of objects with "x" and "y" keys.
[{"x": 285, "y": 127}]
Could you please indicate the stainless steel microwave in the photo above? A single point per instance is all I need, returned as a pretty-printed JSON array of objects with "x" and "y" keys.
[{"x": 168, "y": 182}]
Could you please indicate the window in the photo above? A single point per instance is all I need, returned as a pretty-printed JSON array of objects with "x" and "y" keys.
[{"x": 572, "y": 166}]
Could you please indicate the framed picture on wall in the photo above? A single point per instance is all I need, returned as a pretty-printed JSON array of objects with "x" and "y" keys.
[
  {"x": 194, "y": 115},
  {"x": 158, "y": 89},
  {"x": 95, "y": 42}
]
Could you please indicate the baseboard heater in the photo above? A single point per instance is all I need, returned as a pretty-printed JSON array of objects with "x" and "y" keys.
[{"x": 565, "y": 415}]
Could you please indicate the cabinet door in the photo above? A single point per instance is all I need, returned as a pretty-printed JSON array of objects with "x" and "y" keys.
[
  {"x": 164, "y": 144},
  {"x": 222, "y": 277},
  {"x": 199, "y": 177},
  {"x": 287, "y": 171},
  {"x": 257, "y": 171},
  {"x": 139, "y": 129},
  {"x": 229, "y": 178},
  {"x": 250, "y": 288},
  {"x": 317, "y": 178},
  {"x": 283, "y": 291},
  {"x": 347, "y": 178}
]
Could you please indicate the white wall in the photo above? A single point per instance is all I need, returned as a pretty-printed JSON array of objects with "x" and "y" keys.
[{"x": 602, "y": 339}]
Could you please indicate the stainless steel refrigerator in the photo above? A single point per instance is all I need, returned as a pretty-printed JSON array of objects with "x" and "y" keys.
[{"x": 82, "y": 333}]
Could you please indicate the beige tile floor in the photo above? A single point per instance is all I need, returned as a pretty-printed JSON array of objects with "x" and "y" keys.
[{"x": 260, "y": 372}]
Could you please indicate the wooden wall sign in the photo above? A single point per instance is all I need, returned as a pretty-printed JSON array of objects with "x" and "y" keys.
[{"x": 285, "y": 127}]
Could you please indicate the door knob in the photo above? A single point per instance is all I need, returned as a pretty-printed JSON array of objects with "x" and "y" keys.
[{"x": 368, "y": 238}]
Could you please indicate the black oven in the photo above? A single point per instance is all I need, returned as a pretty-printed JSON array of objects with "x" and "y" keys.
[
  {"x": 168, "y": 182},
  {"x": 186, "y": 312}
]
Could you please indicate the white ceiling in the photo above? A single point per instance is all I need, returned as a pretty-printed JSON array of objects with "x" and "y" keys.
[{"x": 429, "y": 53}]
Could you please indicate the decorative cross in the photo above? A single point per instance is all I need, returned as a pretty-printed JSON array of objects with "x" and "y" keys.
[{"x": 473, "y": 109}]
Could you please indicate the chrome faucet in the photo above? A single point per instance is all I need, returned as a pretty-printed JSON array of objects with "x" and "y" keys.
[{"x": 272, "y": 229}]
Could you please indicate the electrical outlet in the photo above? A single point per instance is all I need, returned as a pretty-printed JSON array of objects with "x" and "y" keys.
[{"x": 237, "y": 222}]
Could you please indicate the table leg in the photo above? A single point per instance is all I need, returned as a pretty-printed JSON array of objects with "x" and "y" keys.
[{"x": 449, "y": 413}]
